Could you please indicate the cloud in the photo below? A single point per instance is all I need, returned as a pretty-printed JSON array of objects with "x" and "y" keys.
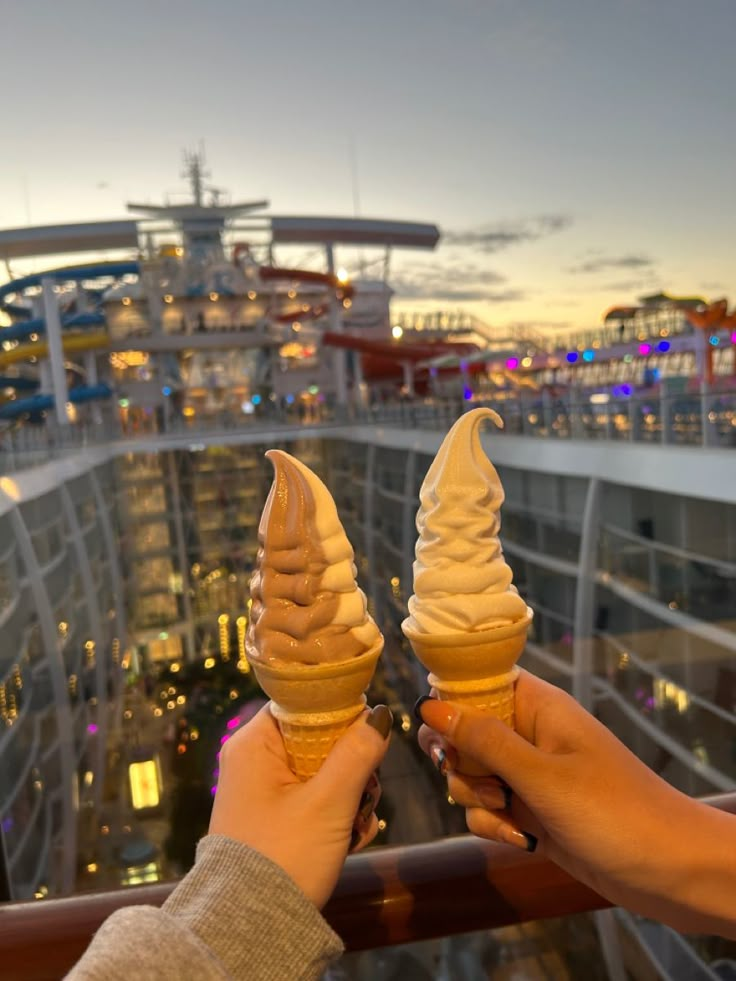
[
  {"x": 453, "y": 282},
  {"x": 491, "y": 238},
  {"x": 605, "y": 263}
]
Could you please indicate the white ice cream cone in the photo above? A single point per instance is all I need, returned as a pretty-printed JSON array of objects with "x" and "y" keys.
[{"x": 475, "y": 668}]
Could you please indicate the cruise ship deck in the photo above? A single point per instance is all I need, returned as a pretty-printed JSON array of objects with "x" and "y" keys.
[{"x": 139, "y": 399}]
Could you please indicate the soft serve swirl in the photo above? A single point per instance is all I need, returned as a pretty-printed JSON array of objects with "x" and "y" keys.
[
  {"x": 461, "y": 580},
  {"x": 307, "y": 606}
]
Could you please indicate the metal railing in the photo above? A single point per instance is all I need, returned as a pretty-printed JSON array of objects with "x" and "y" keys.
[
  {"x": 385, "y": 896},
  {"x": 706, "y": 419}
]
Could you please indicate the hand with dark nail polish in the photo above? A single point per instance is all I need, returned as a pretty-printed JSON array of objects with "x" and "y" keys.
[
  {"x": 563, "y": 785},
  {"x": 305, "y": 827}
]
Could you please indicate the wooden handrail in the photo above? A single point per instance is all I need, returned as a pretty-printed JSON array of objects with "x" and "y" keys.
[{"x": 385, "y": 896}]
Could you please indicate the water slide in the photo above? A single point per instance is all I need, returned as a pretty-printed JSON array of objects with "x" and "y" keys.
[
  {"x": 92, "y": 341},
  {"x": 43, "y": 403},
  {"x": 21, "y": 383},
  {"x": 344, "y": 291},
  {"x": 89, "y": 341}
]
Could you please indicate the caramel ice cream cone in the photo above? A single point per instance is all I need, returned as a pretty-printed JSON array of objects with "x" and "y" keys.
[
  {"x": 310, "y": 640},
  {"x": 315, "y": 704}
]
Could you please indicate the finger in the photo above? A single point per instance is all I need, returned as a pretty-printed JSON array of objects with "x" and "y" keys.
[
  {"x": 351, "y": 761},
  {"x": 488, "y": 824},
  {"x": 367, "y": 806},
  {"x": 488, "y": 792},
  {"x": 245, "y": 747},
  {"x": 490, "y": 743},
  {"x": 438, "y": 750},
  {"x": 364, "y": 836}
]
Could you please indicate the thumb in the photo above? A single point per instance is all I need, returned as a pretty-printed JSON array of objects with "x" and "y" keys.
[
  {"x": 355, "y": 756},
  {"x": 488, "y": 741}
]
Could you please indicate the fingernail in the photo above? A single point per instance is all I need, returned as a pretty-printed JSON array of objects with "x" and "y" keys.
[
  {"x": 418, "y": 705},
  {"x": 439, "y": 758},
  {"x": 519, "y": 839},
  {"x": 365, "y": 808},
  {"x": 381, "y": 719},
  {"x": 440, "y": 716}
]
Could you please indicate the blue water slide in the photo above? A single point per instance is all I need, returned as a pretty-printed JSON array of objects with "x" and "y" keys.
[
  {"x": 21, "y": 383},
  {"x": 70, "y": 274},
  {"x": 42, "y": 403},
  {"x": 19, "y": 332}
]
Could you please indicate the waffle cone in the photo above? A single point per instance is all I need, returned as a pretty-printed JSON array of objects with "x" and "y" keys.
[
  {"x": 315, "y": 703},
  {"x": 477, "y": 668}
]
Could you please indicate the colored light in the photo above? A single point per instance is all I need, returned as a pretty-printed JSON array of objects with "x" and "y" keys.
[
  {"x": 92, "y": 728},
  {"x": 256, "y": 400},
  {"x": 626, "y": 389},
  {"x": 663, "y": 346},
  {"x": 588, "y": 355},
  {"x": 628, "y": 358},
  {"x": 467, "y": 394},
  {"x": 512, "y": 363},
  {"x": 233, "y": 723},
  {"x": 572, "y": 357},
  {"x": 289, "y": 399},
  {"x": 713, "y": 340},
  {"x": 733, "y": 337},
  {"x": 645, "y": 349},
  {"x": 166, "y": 391}
]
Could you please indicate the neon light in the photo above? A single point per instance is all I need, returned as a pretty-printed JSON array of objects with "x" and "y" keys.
[
  {"x": 645, "y": 349},
  {"x": 512, "y": 363},
  {"x": 663, "y": 346},
  {"x": 714, "y": 340},
  {"x": 233, "y": 723},
  {"x": 572, "y": 357},
  {"x": 588, "y": 355},
  {"x": 467, "y": 394},
  {"x": 256, "y": 400},
  {"x": 92, "y": 728}
]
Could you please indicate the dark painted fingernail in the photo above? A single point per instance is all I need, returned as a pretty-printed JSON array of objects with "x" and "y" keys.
[
  {"x": 519, "y": 839},
  {"x": 354, "y": 839},
  {"x": 366, "y": 806},
  {"x": 439, "y": 758},
  {"x": 381, "y": 719},
  {"x": 418, "y": 705}
]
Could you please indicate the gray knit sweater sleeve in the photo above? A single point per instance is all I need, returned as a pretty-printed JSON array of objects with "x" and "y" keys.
[{"x": 235, "y": 915}]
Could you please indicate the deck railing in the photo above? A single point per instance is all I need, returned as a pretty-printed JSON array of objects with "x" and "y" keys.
[
  {"x": 706, "y": 418},
  {"x": 385, "y": 896}
]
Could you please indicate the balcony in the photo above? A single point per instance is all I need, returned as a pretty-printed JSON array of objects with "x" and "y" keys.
[{"x": 385, "y": 896}]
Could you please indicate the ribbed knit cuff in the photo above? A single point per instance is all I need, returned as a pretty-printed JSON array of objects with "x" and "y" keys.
[{"x": 251, "y": 915}]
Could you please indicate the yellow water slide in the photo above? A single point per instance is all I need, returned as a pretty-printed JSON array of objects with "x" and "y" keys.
[{"x": 71, "y": 344}]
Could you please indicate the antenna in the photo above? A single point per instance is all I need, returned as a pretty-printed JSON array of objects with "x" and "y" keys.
[{"x": 194, "y": 170}]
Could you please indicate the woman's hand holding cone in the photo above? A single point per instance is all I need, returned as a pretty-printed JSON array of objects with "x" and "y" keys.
[
  {"x": 307, "y": 827},
  {"x": 562, "y": 782}
]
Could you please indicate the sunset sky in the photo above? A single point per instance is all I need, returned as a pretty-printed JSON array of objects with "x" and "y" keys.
[{"x": 575, "y": 154}]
